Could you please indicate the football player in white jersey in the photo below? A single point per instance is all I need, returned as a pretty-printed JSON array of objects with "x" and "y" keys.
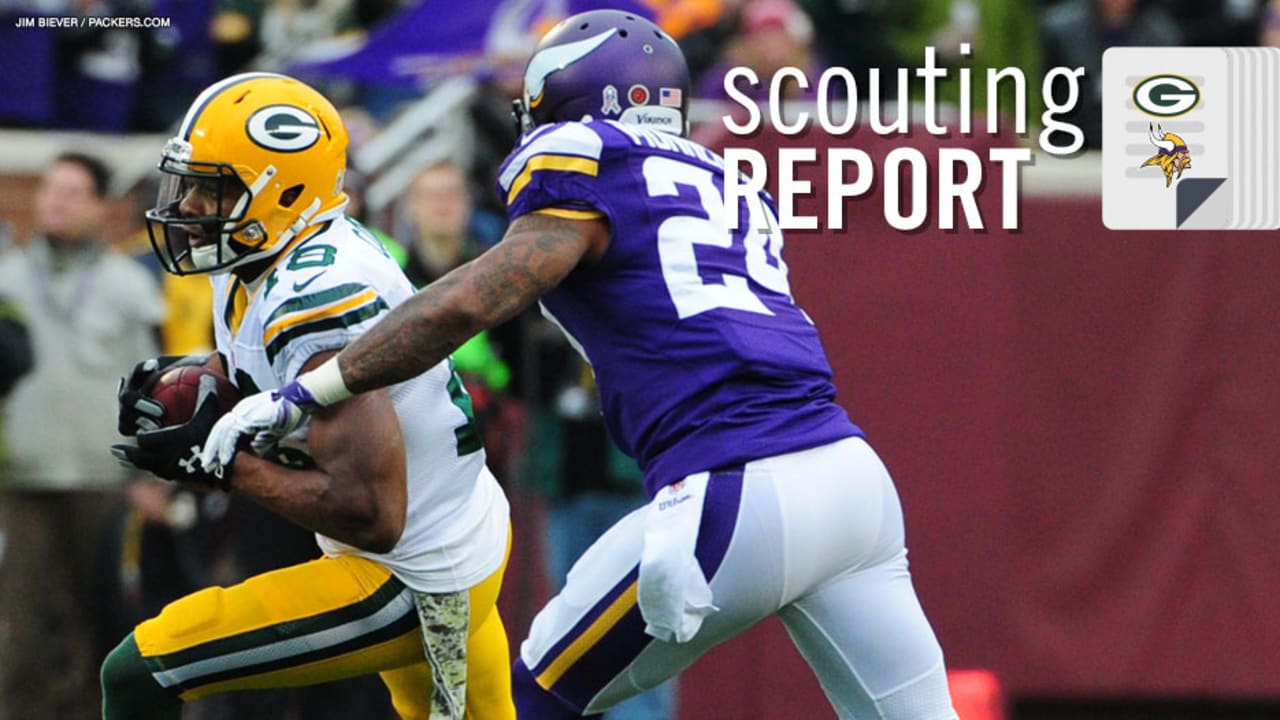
[
  {"x": 413, "y": 527},
  {"x": 765, "y": 499}
]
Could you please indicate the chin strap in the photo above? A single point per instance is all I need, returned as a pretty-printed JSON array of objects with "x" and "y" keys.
[{"x": 304, "y": 220}]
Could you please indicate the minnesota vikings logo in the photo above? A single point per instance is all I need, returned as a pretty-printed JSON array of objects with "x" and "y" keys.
[{"x": 1171, "y": 153}]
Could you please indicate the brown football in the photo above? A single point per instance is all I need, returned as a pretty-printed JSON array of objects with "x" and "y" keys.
[{"x": 177, "y": 390}]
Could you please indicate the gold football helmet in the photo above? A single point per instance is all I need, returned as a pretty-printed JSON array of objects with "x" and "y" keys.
[{"x": 259, "y": 159}]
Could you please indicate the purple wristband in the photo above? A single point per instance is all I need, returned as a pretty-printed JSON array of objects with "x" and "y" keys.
[{"x": 295, "y": 393}]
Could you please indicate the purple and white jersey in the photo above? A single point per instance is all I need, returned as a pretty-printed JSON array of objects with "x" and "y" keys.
[{"x": 702, "y": 358}]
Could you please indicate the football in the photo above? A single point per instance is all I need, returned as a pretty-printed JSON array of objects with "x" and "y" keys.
[{"x": 177, "y": 390}]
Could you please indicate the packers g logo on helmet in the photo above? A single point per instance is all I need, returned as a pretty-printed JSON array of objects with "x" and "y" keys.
[{"x": 283, "y": 128}]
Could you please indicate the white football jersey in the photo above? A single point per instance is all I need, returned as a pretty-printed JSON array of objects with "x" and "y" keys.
[{"x": 320, "y": 295}]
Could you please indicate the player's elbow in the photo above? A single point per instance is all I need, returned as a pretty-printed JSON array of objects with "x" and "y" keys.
[
  {"x": 376, "y": 529},
  {"x": 389, "y": 530},
  {"x": 480, "y": 299},
  {"x": 381, "y": 544}
]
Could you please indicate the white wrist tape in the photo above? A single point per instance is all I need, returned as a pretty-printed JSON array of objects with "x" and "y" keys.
[{"x": 325, "y": 383}]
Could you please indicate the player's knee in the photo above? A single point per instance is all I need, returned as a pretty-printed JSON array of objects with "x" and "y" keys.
[
  {"x": 126, "y": 683},
  {"x": 925, "y": 698}
]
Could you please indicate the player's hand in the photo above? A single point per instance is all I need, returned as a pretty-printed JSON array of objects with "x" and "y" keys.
[
  {"x": 173, "y": 452},
  {"x": 138, "y": 411},
  {"x": 266, "y": 418}
]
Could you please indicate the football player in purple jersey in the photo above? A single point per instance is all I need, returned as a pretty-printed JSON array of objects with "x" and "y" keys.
[{"x": 765, "y": 498}]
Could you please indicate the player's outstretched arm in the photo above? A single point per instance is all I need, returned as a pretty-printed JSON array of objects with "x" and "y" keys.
[
  {"x": 358, "y": 492},
  {"x": 537, "y": 252}
]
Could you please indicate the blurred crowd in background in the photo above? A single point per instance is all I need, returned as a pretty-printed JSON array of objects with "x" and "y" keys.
[
  {"x": 80, "y": 302},
  {"x": 141, "y": 79}
]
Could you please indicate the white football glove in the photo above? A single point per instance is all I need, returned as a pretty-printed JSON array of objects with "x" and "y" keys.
[{"x": 267, "y": 417}]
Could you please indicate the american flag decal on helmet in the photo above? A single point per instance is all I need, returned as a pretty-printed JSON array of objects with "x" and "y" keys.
[{"x": 670, "y": 97}]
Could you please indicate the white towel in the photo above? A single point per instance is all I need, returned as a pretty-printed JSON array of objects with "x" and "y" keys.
[{"x": 674, "y": 596}]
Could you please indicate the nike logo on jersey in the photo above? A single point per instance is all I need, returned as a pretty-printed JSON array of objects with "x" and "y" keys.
[{"x": 299, "y": 287}]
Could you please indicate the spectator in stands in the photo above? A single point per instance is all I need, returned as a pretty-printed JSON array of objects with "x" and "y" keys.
[
  {"x": 234, "y": 29},
  {"x": 99, "y": 69},
  {"x": 177, "y": 61},
  {"x": 1074, "y": 33},
  {"x": 108, "y": 77},
  {"x": 1000, "y": 34},
  {"x": 682, "y": 17},
  {"x": 440, "y": 227},
  {"x": 439, "y": 200},
  {"x": 701, "y": 27},
  {"x": 91, "y": 312},
  {"x": 290, "y": 27},
  {"x": 356, "y": 184},
  {"x": 509, "y": 41},
  {"x": 772, "y": 34}
]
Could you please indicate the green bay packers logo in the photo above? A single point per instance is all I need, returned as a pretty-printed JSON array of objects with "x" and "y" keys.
[
  {"x": 1166, "y": 95},
  {"x": 283, "y": 128}
]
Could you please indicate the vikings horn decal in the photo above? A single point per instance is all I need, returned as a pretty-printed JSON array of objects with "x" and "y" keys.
[{"x": 556, "y": 58}]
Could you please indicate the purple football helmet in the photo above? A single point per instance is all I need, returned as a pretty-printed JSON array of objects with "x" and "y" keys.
[{"x": 606, "y": 64}]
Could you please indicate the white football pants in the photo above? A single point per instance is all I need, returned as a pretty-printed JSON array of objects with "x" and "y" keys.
[{"x": 815, "y": 536}]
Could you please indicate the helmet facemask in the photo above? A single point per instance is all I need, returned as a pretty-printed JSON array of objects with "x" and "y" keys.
[{"x": 198, "y": 224}]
